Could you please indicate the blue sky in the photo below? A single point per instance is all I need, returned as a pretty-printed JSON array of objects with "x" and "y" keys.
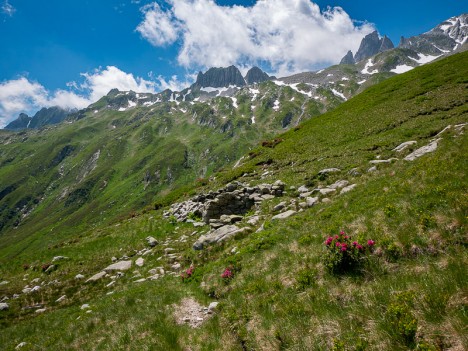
[{"x": 71, "y": 51}]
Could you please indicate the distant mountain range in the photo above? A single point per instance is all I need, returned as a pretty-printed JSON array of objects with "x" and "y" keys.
[{"x": 375, "y": 60}]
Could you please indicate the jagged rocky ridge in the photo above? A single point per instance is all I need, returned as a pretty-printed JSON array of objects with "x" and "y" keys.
[{"x": 45, "y": 116}]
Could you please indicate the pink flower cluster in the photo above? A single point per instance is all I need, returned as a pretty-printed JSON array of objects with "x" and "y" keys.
[
  {"x": 188, "y": 273},
  {"x": 227, "y": 274},
  {"x": 342, "y": 242}
]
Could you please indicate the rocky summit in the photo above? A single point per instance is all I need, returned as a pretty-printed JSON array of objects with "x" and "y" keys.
[
  {"x": 371, "y": 45},
  {"x": 219, "y": 78}
]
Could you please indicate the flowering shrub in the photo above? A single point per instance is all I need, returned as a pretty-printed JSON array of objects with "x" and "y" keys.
[
  {"x": 344, "y": 254},
  {"x": 228, "y": 274},
  {"x": 188, "y": 273}
]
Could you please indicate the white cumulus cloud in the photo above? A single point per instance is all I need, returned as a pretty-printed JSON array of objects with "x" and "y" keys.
[
  {"x": 23, "y": 95},
  {"x": 287, "y": 35}
]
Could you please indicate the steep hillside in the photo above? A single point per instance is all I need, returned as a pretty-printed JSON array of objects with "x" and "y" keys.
[{"x": 388, "y": 168}]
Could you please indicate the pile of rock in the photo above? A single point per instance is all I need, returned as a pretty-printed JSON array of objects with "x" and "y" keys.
[{"x": 235, "y": 198}]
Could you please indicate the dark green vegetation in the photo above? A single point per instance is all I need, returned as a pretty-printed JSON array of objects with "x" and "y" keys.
[{"x": 410, "y": 293}]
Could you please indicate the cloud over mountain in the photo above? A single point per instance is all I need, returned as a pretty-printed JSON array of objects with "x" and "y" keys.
[
  {"x": 24, "y": 95},
  {"x": 287, "y": 35}
]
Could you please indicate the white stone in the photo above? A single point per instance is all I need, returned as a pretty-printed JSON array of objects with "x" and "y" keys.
[
  {"x": 96, "y": 277},
  {"x": 4, "y": 306},
  {"x": 41, "y": 310},
  {"x": 348, "y": 188},
  {"x": 212, "y": 306},
  {"x": 84, "y": 306},
  {"x": 61, "y": 298},
  {"x": 58, "y": 258},
  {"x": 404, "y": 146},
  {"x": 119, "y": 266},
  {"x": 140, "y": 262},
  {"x": 431, "y": 147},
  {"x": 79, "y": 276},
  {"x": 339, "y": 184},
  {"x": 20, "y": 345},
  {"x": 311, "y": 201},
  {"x": 284, "y": 215}
]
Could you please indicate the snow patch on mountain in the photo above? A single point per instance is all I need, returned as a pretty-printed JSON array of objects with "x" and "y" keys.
[
  {"x": 401, "y": 69},
  {"x": 368, "y": 65},
  {"x": 424, "y": 58},
  {"x": 337, "y": 93},
  {"x": 276, "y": 106}
]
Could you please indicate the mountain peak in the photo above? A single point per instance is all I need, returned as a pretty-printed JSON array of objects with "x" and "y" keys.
[
  {"x": 348, "y": 59},
  {"x": 219, "y": 77},
  {"x": 256, "y": 75},
  {"x": 371, "y": 45}
]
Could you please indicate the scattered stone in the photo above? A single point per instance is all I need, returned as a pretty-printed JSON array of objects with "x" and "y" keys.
[
  {"x": 140, "y": 262},
  {"x": 61, "y": 298},
  {"x": 4, "y": 306},
  {"x": 212, "y": 306},
  {"x": 329, "y": 170},
  {"x": 176, "y": 266},
  {"x": 280, "y": 206},
  {"x": 404, "y": 146},
  {"x": 354, "y": 172},
  {"x": 36, "y": 280},
  {"x": 377, "y": 162},
  {"x": 140, "y": 280},
  {"x": 311, "y": 201},
  {"x": 96, "y": 277},
  {"x": 431, "y": 147},
  {"x": 304, "y": 195},
  {"x": 348, "y": 188},
  {"x": 110, "y": 284},
  {"x": 85, "y": 306},
  {"x": 51, "y": 268},
  {"x": 339, "y": 184},
  {"x": 326, "y": 200},
  {"x": 41, "y": 310},
  {"x": 153, "y": 271},
  {"x": 59, "y": 258},
  {"x": 79, "y": 276},
  {"x": 302, "y": 189},
  {"x": 284, "y": 215},
  {"x": 20, "y": 345},
  {"x": 190, "y": 312},
  {"x": 114, "y": 259},
  {"x": 326, "y": 191},
  {"x": 372, "y": 169},
  {"x": 119, "y": 266},
  {"x": 152, "y": 242},
  {"x": 35, "y": 288},
  {"x": 154, "y": 277},
  {"x": 253, "y": 220},
  {"x": 218, "y": 235},
  {"x": 5, "y": 282},
  {"x": 198, "y": 224}
]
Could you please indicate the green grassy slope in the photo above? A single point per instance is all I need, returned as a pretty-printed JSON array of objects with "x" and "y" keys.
[{"x": 410, "y": 292}]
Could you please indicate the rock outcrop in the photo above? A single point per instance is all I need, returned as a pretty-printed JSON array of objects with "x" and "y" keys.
[
  {"x": 348, "y": 59},
  {"x": 234, "y": 199}
]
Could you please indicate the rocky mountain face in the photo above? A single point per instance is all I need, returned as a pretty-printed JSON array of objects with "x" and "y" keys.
[
  {"x": 447, "y": 37},
  {"x": 256, "y": 75},
  {"x": 348, "y": 59},
  {"x": 377, "y": 56},
  {"x": 220, "y": 78},
  {"x": 372, "y": 45},
  {"x": 22, "y": 122},
  {"x": 46, "y": 116}
]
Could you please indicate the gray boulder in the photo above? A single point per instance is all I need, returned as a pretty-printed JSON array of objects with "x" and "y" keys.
[
  {"x": 96, "y": 277},
  {"x": 119, "y": 266},
  {"x": 221, "y": 234},
  {"x": 284, "y": 215},
  {"x": 4, "y": 306}
]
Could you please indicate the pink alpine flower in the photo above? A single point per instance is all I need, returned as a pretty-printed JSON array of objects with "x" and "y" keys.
[{"x": 370, "y": 243}]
